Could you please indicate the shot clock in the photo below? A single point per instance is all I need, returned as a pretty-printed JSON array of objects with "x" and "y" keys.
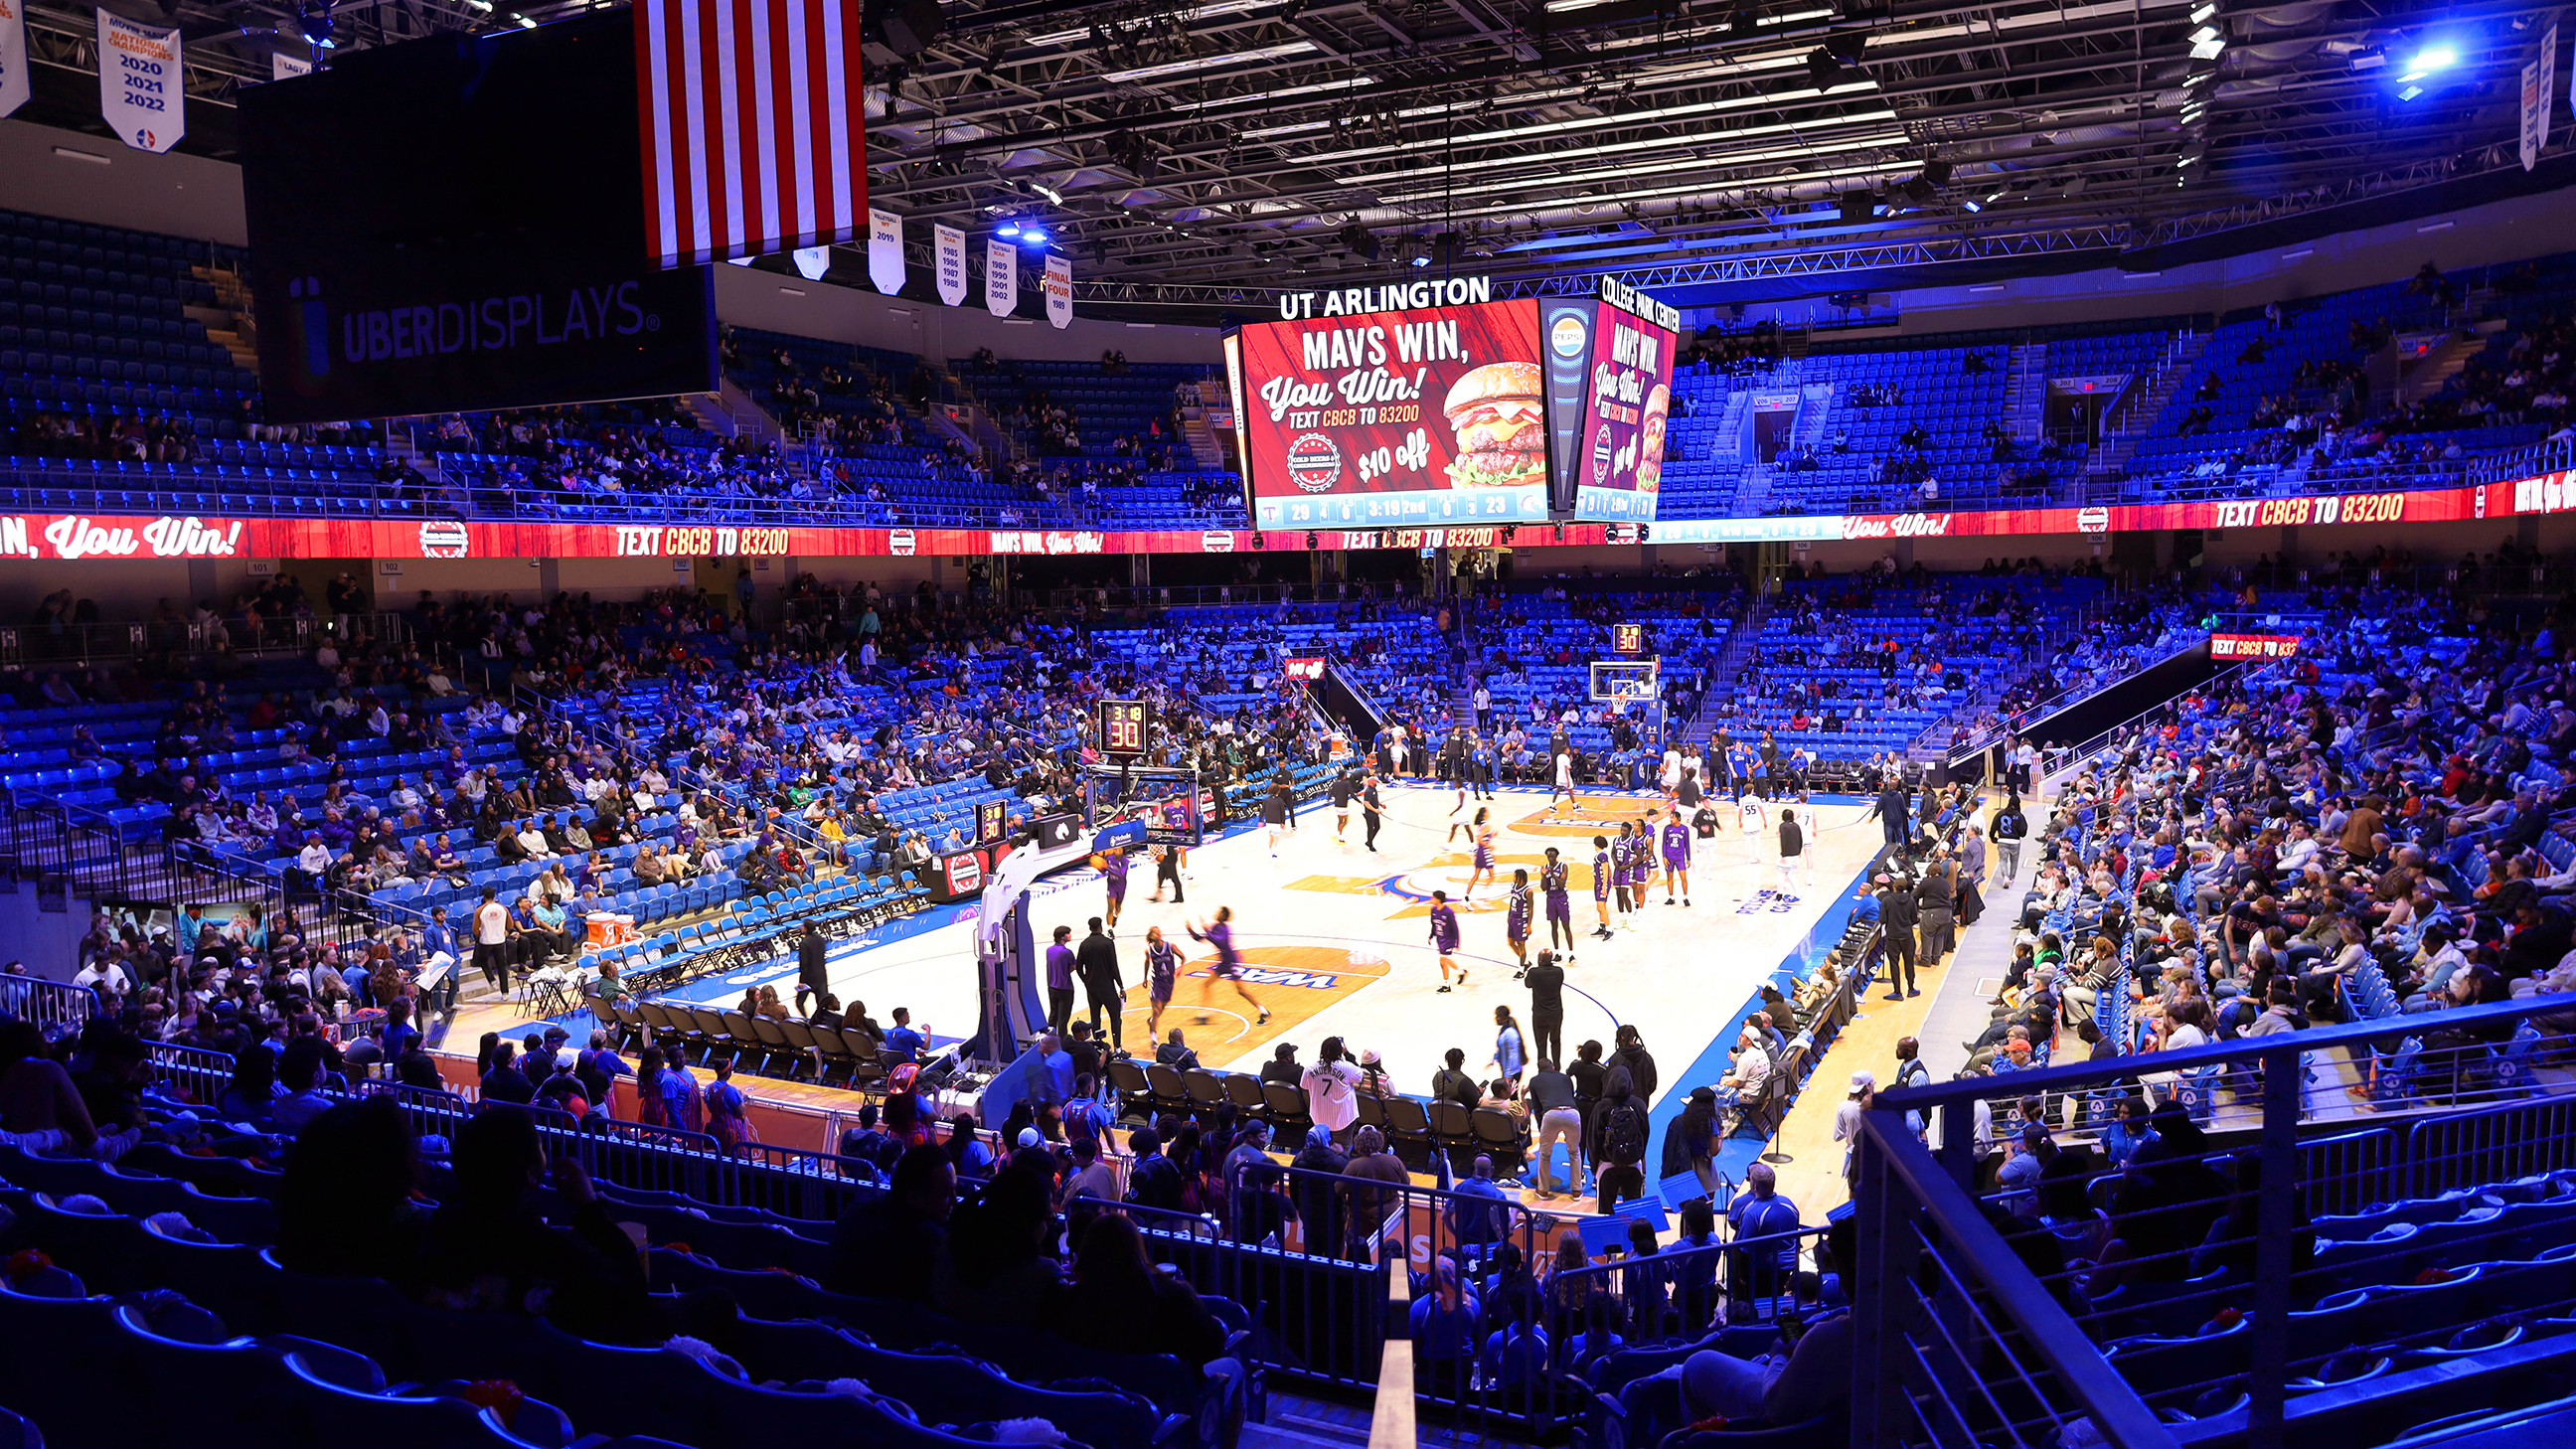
[{"x": 1125, "y": 725}]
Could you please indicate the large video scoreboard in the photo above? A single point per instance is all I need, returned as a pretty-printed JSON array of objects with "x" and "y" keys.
[{"x": 1430, "y": 404}]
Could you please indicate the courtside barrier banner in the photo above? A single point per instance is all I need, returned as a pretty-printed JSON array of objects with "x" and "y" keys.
[{"x": 52, "y": 536}]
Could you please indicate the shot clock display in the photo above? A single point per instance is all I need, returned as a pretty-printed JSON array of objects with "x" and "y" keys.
[
  {"x": 1628, "y": 639},
  {"x": 1125, "y": 725}
]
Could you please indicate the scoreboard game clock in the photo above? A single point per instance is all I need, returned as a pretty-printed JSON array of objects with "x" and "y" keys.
[{"x": 1125, "y": 726}]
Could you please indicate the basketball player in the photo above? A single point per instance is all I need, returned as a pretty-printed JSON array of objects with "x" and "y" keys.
[
  {"x": 1344, "y": 787},
  {"x": 1793, "y": 846},
  {"x": 1274, "y": 813},
  {"x": 1516, "y": 922},
  {"x": 1560, "y": 911},
  {"x": 1601, "y": 878},
  {"x": 1481, "y": 830},
  {"x": 1444, "y": 938},
  {"x": 1563, "y": 794},
  {"x": 1162, "y": 968},
  {"x": 1167, "y": 867},
  {"x": 1677, "y": 851},
  {"x": 1754, "y": 819},
  {"x": 1112, "y": 865},
  {"x": 1228, "y": 966},
  {"x": 1623, "y": 869}
]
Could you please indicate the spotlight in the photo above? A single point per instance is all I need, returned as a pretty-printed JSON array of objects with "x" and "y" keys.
[
  {"x": 1007, "y": 229},
  {"x": 1033, "y": 236},
  {"x": 1972, "y": 206},
  {"x": 1361, "y": 242},
  {"x": 1938, "y": 172},
  {"x": 315, "y": 25},
  {"x": 1822, "y": 68},
  {"x": 2439, "y": 56},
  {"x": 1848, "y": 47},
  {"x": 1857, "y": 205},
  {"x": 2208, "y": 42},
  {"x": 1918, "y": 189}
]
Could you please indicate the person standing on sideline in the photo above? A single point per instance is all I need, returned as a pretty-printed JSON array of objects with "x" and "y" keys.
[
  {"x": 2010, "y": 826},
  {"x": 1893, "y": 811},
  {"x": 1484, "y": 709},
  {"x": 492, "y": 941},
  {"x": 1372, "y": 812},
  {"x": 1547, "y": 1007},
  {"x": 1896, "y": 918},
  {"x": 1619, "y": 1126},
  {"x": 1932, "y": 910},
  {"x": 1552, "y": 1108},
  {"x": 1059, "y": 969},
  {"x": 813, "y": 972},
  {"x": 1511, "y": 1053},
  {"x": 1971, "y": 901},
  {"x": 1793, "y": 847},
  {"x": 1344, "y": 786},
  {"x": 1103, "y": 989}
]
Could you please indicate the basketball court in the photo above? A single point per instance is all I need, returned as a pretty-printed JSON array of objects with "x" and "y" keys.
[{"x": 1336, "y": 939}]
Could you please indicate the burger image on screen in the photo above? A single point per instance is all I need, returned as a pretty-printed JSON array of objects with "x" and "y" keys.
[
  {"x": 1650, "y": 440},
  {"x": 1502, "y": 435}
]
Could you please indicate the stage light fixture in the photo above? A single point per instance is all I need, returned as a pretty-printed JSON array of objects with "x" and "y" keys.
[
  {"x": 1972, "y": 206},
  {"x": 1939, "y": 172},
  {"x": 1007, "y": 229},
  {"x": 1033, "y": 236},
  {"x": 1822, "y": 68},
  {"x": 1362, "y": 242},
  {"x": 315, "y": 26},
  {"x": 2441, "y": 55}
]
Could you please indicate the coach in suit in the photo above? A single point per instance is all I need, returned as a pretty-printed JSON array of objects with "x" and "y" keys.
[
  {"x": 813, "y": 974},
  {"x": 1102, "y": 987}
]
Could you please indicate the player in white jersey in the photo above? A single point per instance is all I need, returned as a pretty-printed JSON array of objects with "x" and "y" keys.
[
  {"x": 1755, "y": 821},
  {"x": 1563, "y": 794}
]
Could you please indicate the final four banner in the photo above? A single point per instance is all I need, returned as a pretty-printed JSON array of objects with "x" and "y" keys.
[
  {"x": 948, "y": 260},
  {"x": 1059, "y": 291},
  {"x": 14, "y": 88},
  {"x": 139, "y": 92},
  {"x": 885, "y": 251},
  {"x": 1001, "y": 278}
]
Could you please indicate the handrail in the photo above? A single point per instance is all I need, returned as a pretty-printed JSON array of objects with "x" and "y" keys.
[
  {"x": 2100, "y": 743},
  {"x": 1889, "y": 1146},
  {"x": 2026, "y": 721},
  {"x": 48, "y": 1003},
  {"x": 132, "y": 638}
]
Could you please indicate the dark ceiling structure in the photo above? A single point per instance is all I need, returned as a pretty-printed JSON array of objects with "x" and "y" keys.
[{"x": 1200, "y": 154}]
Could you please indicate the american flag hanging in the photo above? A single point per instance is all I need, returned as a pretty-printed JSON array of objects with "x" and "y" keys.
[{"x": 753, "y": 125}]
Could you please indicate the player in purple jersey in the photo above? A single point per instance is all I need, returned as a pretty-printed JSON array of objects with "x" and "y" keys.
[
  {"x": 1112, "y": 865},
  {"x": 1162, "y": 969},
  {"x": 1516, "y": 921},
  {"x": 1228, "y": 966},
  {"x": 1560, "y": 911},
  {"x": 1601, "y": 879},
  {"x": 1444, "y": 938},
  {"x": 1677, "y": 848},
  {"x": 1481, "y": 830},
  {"x": 1623, "y": 870}
]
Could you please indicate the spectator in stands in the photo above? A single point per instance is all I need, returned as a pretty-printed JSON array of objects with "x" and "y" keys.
[
  {"x": 1119, "y": 1301},
  {"x": 1759, "y": 1213},
  {"x": 888, "y": 1246},
  {"x": 345, "y": 1204},
  {"x": 488, "y": 1247},
  {"x": 1319, "y": 1199},
  {"x": 1618, "y": 1139}
]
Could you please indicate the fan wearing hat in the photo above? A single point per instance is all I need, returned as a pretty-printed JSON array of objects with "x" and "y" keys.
[{"x": 1847, "y": 1118}]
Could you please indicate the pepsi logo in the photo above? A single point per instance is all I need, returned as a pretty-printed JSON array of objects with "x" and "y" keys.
[
  {"x": 1566, "y": 338},
  {"x": 1314, "y": 463},
  {"x": 901, "y": 543},
  {"x": 444, "y": 538}
]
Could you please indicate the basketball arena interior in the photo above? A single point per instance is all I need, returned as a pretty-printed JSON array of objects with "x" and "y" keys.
[{"x": 1287, "y": 724}]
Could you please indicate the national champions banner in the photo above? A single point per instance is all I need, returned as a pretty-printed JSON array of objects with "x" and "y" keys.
[
  {"x": 139, "y": 93},
  {"x": 1059, "y": 291},
  {"x": 1001, "y": 278},
  {"x": 948, "y": 263},
  {"x": 14, "y": 86},
  {"x": 885, "y": 251},
  {"x": 2539, "y": 80}
]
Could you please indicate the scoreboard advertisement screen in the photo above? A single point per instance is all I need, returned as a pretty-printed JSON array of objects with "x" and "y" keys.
[
  {"x": 1431, "y": 405},
  {"x": 1124, "y": 727},
  {"x": 1625, "y": 402},
  {"x": 2253, "y": 646}
]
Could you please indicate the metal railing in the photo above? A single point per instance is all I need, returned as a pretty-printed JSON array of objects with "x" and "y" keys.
[
  {"x": 38, "y": 644},
  {"x": 54, "y": 1006},
  {"x": 2204, "y": 1288}
]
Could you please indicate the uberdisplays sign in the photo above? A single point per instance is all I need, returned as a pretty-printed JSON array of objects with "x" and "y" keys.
[{"x": 455, "y": 224}]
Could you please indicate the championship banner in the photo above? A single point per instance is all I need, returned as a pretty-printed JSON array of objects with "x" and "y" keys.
[
  {"x": 139, "y": 93},
  {"x": 14, "y": 86},
  {"x": 1001, "y": 278},
  {"x": 885, "y": 251},
  {"x": 1059, "y": 291},
  {"x": 282, "y": 66},
  {"x": 2539, "y": 81},
  {"x": 948, "y": 263}
]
